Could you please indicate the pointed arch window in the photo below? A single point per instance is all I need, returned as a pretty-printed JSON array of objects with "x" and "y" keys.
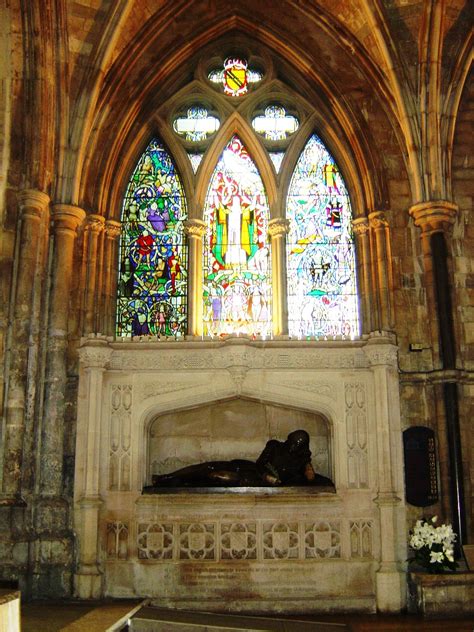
[
  {"x": 298, "y": 280},
  {"x": 321, "y": 279},
  {"x": 152, "y": 284},
  {"x": 236, "y": 262}
]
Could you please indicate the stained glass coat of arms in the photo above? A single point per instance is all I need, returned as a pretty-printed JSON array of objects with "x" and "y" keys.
[
  {"x": 152, "y": 286},
  {"x": 236, "y": 255},
  {"x": 322, "y": 294}
]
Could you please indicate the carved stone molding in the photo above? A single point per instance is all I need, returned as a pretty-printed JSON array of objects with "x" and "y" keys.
[
  {"x": 378, "y": 220},
  {"x": 112, "y": 229},
  {"x": 323, "y": 389},
  {"x": 95, "y": 223},
  {"x": 360, "y": 226},
  {"x": 278, "y": 226},
  {"x": 67, "y": 217},
  {"x": 434, "y": 216},
  {"x": 382, "y": 355},
  {"x": 95, "y": 357},
  {"x": 32, "y": 202},
  {"x": 361, "y": 537},
  {"x": 195, "y": 228},
  {"x": 156, "y": 356}
]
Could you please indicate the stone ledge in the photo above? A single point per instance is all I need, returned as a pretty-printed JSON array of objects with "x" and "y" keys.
[{"x": 442, "y": 595}]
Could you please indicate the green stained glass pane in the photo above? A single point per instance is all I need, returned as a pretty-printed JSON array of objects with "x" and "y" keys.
[
  {"x": 322, "y": 291},
  {"x": 152, "y": 286},
  {"x": 237, "y": 292}
]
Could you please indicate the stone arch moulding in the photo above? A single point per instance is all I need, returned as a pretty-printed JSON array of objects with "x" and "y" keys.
[
  {"x": 236, "y": 427},
  {"x": 96, "y": 184}
]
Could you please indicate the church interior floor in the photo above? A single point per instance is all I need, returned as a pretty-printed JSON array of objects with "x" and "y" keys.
[{"x": 76, "y": 616}]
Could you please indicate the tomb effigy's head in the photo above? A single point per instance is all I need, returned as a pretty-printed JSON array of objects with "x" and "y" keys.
[{"x": 297, "y": 441}]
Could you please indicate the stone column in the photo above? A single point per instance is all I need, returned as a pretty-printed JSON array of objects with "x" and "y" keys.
[
  {"x": 111, "y": 271},
  {"x": 94, "y": 356},
  {"x": 29, "y": 254},
  {"x": 381, "y": 352},
  {"x": 195, "y": 230},
  {"x": 277, "y": 229},
  {"x": 66, "y": 220},
  {"x": 361, "y": 231},
  {"x": 379, "y": 226},
  {"x": 94, "y": 227},
  {"x": 432, "y": 217},
  {"x": 435, "y": 220}
]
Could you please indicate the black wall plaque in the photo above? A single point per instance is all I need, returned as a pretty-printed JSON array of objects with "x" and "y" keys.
[{"x": 421, "y": 479}]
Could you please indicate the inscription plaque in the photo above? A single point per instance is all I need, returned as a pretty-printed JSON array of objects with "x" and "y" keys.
[{"x": 421, "y": 477}]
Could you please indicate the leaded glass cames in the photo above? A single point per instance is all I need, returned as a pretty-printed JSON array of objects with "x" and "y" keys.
[{"x": 236, "y": 269}]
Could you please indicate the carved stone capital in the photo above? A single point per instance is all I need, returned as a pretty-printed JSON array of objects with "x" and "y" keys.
[
  {"x": 67, "y": 218},
  {"x": 360, "y": 226},
  {"x": 434, "y": 216},
  {"x": 378, "y": 220},
  {"x": 32, "y": 203},
  {"x": 195, "y": 228},
  {"x": 95, "y": 223},
  {"x": 95, "y": 355},
  {"x": 381, "y": 349},
  {"x": 112, "y": 229},
  {"x": 278, "y": 226}
]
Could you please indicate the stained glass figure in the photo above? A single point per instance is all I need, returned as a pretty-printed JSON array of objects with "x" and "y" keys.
[
  {"x": 197, "y": 125},
  {"x": 275, "y": 124},
  {"x": 322, "y": 294},
  {"x": 152, "y": 287},
  {"x": 237, "y": 274},
  {"x": 195, "y": 160},
  {"x": 235, "y": 76},
  {"x": 277, "y": 159}
]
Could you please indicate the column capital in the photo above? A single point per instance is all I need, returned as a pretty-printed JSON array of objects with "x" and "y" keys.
[
  {"x": 67, "y": 217},
  {"x": 378, "y": 219},
  {"x": 112, "y": 228},
  {"x": 94, "y": 353},
  {"x": 32, "y": 202},
  {"x": 278, "y": 226},
  {"x": 195, "y": 228},
  {"x": 360, "y": 226},
  {"x": 434, "y": 216},
  {"x": 95, "y": 223}
]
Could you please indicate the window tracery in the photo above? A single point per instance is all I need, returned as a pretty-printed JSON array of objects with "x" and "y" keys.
[{"x": 233, "y": 266}]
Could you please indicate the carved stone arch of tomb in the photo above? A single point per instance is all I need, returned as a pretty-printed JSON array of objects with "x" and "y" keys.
[
  {"x": 179, "y": 392},
  {"x": 224, "y": 429}
]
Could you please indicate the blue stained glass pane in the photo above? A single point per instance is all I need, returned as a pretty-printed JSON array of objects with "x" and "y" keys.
[
  {"x": 152, "y": 287},
  {"x": 237, "y": 288},
  {"x": 322, "y": 292}
]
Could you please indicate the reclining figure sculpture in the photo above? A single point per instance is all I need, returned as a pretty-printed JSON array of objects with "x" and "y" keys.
[{"x": 282, "y": 463}]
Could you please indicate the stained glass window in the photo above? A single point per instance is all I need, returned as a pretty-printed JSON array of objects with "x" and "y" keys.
[
  {"x": 235, "y": 76},
  {"x": 275, "y": 124},
  {"x": 322, "y": 296},
  {"x": 237, "y": 288},
  {"x": 152, "y": 286},
  {"x": 197, "y": 125}
]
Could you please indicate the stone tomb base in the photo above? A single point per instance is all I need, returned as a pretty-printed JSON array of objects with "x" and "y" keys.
[{"x": 248, "y": 551}]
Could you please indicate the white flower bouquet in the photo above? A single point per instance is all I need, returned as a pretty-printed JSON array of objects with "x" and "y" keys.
[{"x": 433, "y": 546}]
